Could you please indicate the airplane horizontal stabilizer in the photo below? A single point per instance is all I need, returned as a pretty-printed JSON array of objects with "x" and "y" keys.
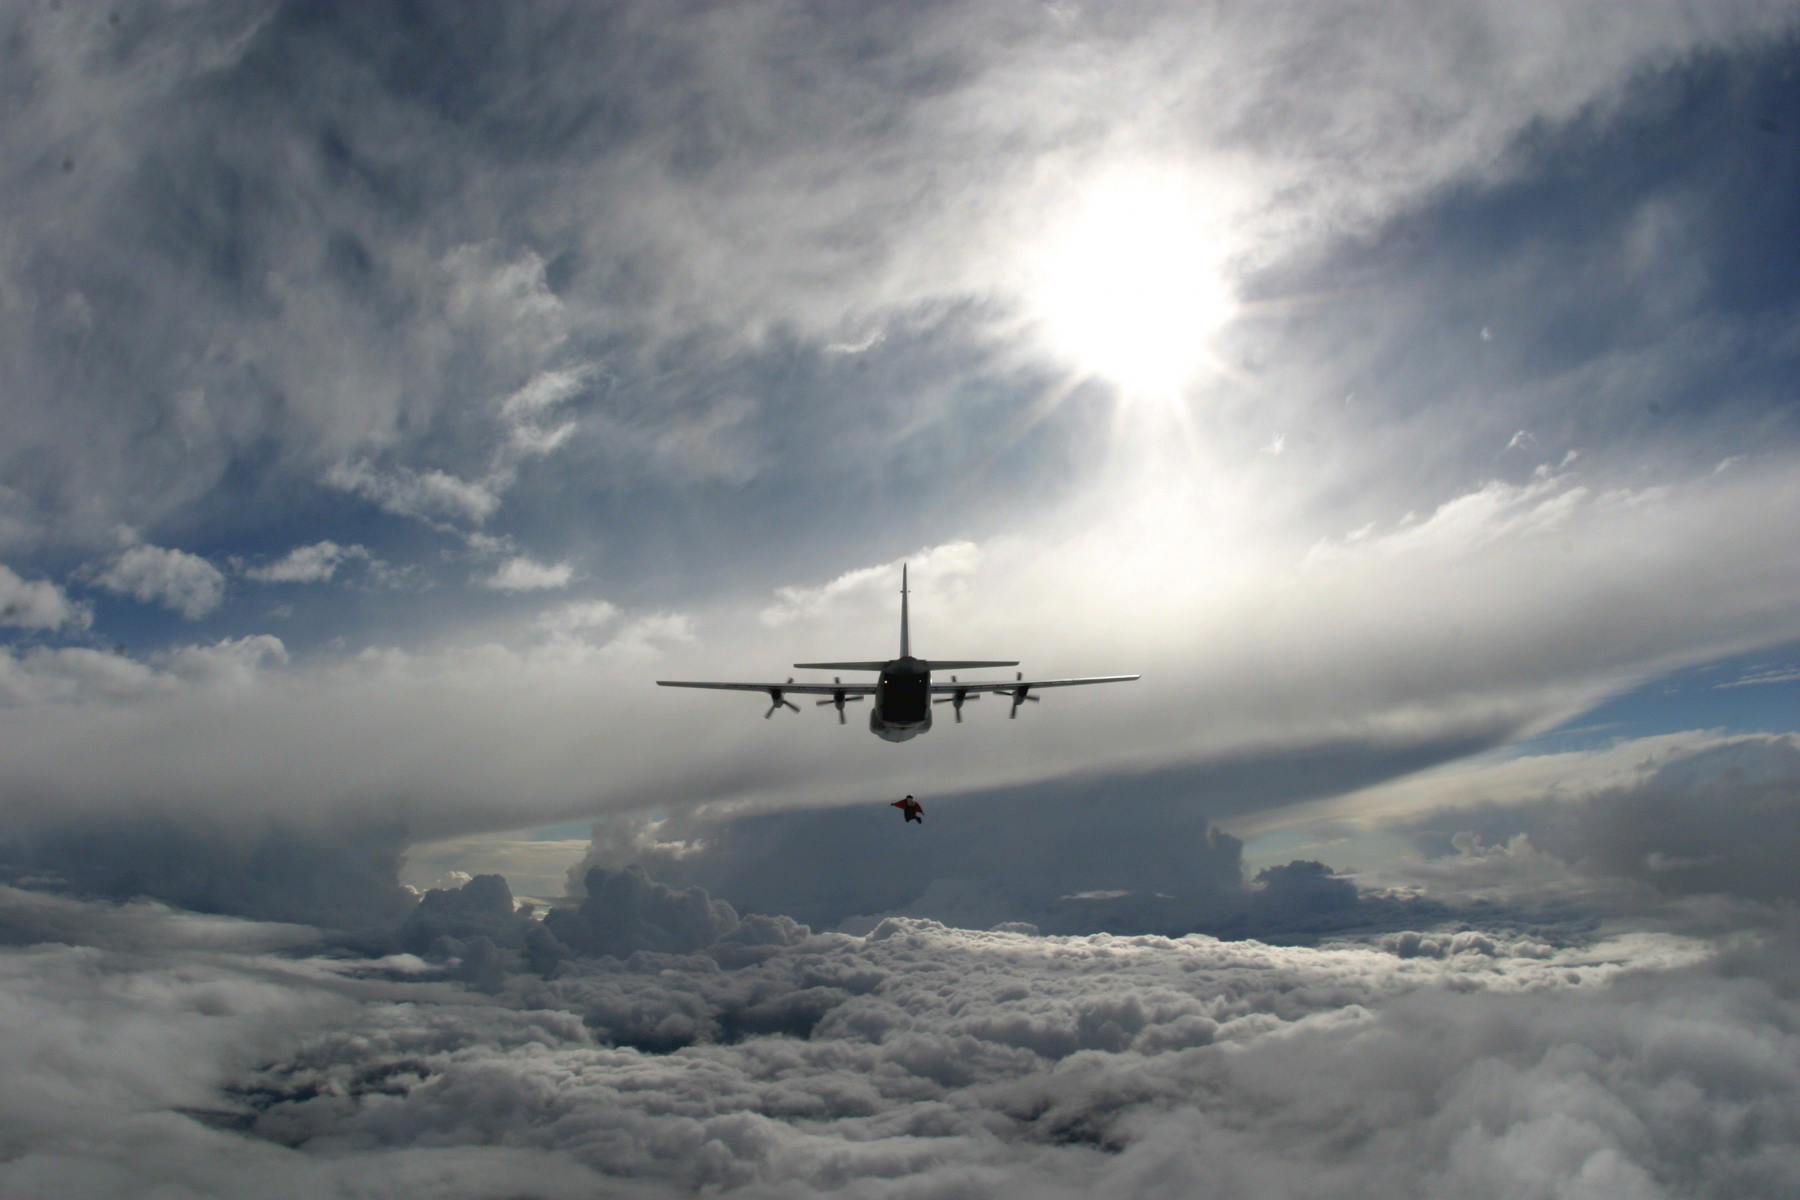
[{"x": 861, "y": 666}]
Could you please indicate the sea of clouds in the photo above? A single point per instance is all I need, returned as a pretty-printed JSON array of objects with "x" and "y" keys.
[
  {"x": 1584, "y": 1019},
  {"x": 640, "y": 1040}
]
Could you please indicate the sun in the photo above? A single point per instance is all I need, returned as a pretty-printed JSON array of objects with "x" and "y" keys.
[{"x": 1130, "y": 287}]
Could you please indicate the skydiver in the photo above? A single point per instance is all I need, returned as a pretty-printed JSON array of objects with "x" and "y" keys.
[{"x": 911, "y": 809}]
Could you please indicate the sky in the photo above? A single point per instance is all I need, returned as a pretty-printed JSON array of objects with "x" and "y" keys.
[{"x": 395, "y": 392}]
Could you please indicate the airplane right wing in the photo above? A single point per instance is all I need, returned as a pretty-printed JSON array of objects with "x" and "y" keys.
[
  {"x": 1021, "y": 689},
  {"x": 1024, "y": 685}
]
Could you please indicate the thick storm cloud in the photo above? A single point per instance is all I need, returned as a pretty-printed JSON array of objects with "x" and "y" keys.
[{"x": 1719, "y": 820}]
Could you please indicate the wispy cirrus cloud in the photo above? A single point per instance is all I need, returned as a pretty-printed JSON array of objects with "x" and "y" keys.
[{"x": 316, "y": 563}]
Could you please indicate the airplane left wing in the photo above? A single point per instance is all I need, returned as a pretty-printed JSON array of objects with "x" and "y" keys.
[
  {"x": 804, "y": 689},
  {"x": 778, "y": 692}
]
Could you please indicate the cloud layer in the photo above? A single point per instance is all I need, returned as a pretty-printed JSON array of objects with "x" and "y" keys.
[{"x": 919, "y": 1060}]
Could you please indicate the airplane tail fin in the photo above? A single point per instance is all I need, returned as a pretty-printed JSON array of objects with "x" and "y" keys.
[{"x": 905, "y": 642}]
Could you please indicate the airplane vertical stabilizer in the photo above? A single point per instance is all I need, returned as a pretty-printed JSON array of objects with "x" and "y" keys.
[{"x": 905, "y": 642}]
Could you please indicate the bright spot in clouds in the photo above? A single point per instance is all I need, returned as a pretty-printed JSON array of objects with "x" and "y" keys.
[
  {"x": 1130, "y": 288},
  {"x": 522, "y": 574}
]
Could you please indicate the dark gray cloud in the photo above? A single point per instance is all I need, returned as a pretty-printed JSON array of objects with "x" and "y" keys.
[
  {"x": 344, "y": 879},
  {"x": 1724, "y": 819},
  {"x": 1115, "y": 854}
]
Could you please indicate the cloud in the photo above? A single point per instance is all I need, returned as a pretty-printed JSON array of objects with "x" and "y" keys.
[
  {"x": 390, "y": 288},
  {"x": 921, "y": 1057},
  {"x": 410, "y": 493},
  {"x": 1762, "y": 676},
  {"x": 1455, "y": 633},
  {"x": 522, "y": 574},
  {"x": 38, "y": 604},
  {"x": 749, "y": 296},
  {"x": 341, "y": 877},
  {"x": 316, "y": 563},
  {"x": 523, "y": 410},
  {"x": 176, "y": 579},
  {"x": 622, "y": 912},
  {"x": 1722, "y": 817},
  {"x": 78, "y": 674},
  {"x": 947, "y": 566}
]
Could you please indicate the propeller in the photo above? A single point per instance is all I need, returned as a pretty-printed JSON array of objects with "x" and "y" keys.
[
  {"x": 958, "y": 698},
  {"x": 1020, "y": 695},
  {"x": 837, "y": 698},
  {"x": 777, "y": 700}
]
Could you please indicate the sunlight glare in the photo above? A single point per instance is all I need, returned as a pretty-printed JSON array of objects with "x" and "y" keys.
[{"x": 1131, "y": 290}]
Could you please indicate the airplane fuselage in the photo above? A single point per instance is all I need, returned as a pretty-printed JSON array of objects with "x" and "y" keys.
[{"x": 902, "y": 707}]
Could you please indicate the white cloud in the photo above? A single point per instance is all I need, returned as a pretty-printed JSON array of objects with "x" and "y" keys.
[
  {"x": 544, "y": 391},
  {"x": 316, "y": 563},
  {"x": 176, "y": 579},
  {"x": 653, "y": 636},
  {"x": 235, "y": 661},
  {"x": 920, "y": 1058},
  {"x": 522, "y": 574},
  {"x": 1463, "y": 634},
  {"x": 38, "y": 604},
  {"x": 411, "y": 493},
  {"x": 1761, "y": 675},
  {"x": 944, "y": 567}
]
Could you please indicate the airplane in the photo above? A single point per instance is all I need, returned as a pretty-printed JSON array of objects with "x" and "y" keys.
[{"x": 903, "y": 690}]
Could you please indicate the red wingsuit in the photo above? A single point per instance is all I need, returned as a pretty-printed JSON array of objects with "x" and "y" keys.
[{"x": 911, "y": 809}]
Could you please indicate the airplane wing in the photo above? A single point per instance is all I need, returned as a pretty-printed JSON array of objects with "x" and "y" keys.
[
  {"x": 778, "y": 693},
  {"x": 1027, "y": 685},
  {"x": 1019, "y": 689},
  {"x": 804, "y": 689}
]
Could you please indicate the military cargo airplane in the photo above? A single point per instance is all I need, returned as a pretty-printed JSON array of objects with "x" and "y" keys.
[{"x": 903, "y": 690}]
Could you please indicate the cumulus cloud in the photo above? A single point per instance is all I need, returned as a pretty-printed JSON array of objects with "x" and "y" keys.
[
  {"x": 79, "y": 674},
  {"x": 175, "y": 579},
  {"x": 1722, "y": 817},
  {"x": 789, "y": 1063},
  {"x": 38, "y": 604},
  {"x": 316, "y": 563}
]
